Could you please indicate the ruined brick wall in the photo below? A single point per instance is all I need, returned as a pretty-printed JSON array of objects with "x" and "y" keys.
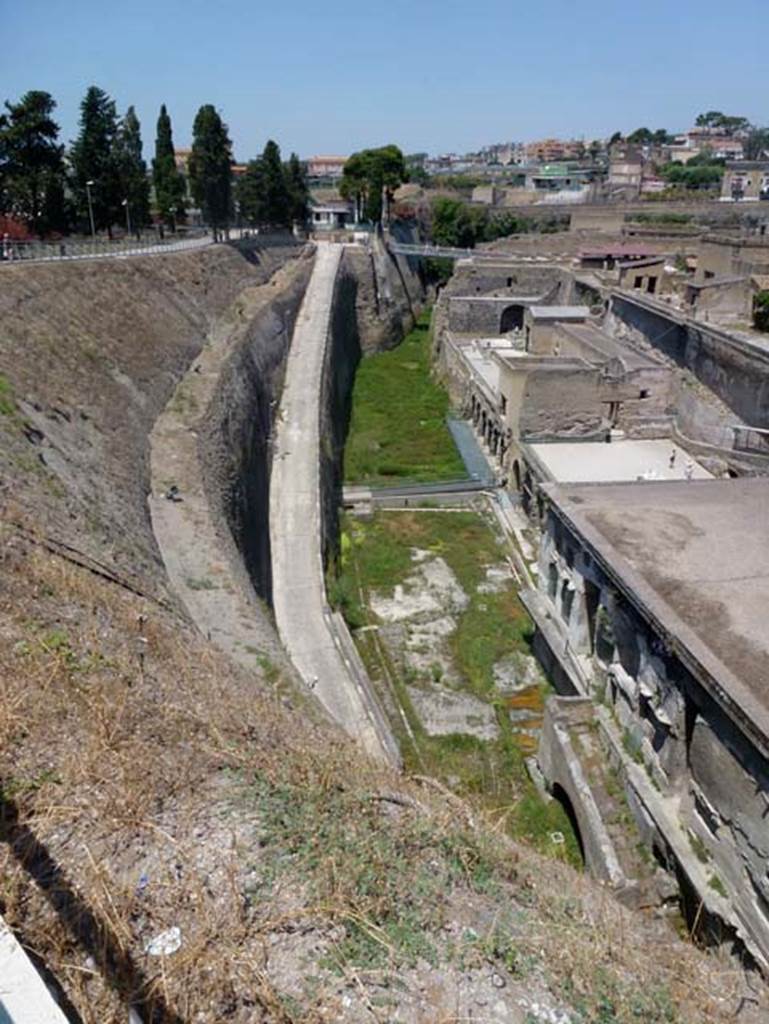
[{"x": 561, "y": 403}]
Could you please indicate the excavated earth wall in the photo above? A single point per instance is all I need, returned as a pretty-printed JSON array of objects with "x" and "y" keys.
[{"x": 90, "y": 354}]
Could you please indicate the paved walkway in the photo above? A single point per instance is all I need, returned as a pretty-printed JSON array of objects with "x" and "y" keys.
[
  {"x": 14, "y": 252},
  {"x": 24, "y": 996},
  {"x": 314, "y": 639}
]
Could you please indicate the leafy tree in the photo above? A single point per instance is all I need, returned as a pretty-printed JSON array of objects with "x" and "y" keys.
[
  {"x": 210, "y": 168},
  {"x": 594, "y": 149},
  {"x": 705, "y": 158},
  {"x": 369, "y": 176},
  {"x": 757, "y": 144},
  {"x": 132, "y": 169},
  {"x": 761, "y": 311},
  {"x": 298, "y": 191},
  {"x": 455, "y": 223},
  {"x": 31, "y": 163},
  {"x": 723, "y": 122},
  {"x": 640, "y": 137},
  {"x": 415, "y": 167},
  {"x": 697, "y": 173},
  {"x": 93, "y": 158},
  {"x": 616, "y": 137},
  {"x": 170, "y": 186},
  {"x": 662, "y": 137}
]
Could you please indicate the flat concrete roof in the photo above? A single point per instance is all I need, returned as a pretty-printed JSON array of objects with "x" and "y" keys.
[
  {"x": 619, "y": 461},
  {"x": 485, "y": 366},
  {"x": 560, "y": 312},
  {"x": 696, "y": 555}
]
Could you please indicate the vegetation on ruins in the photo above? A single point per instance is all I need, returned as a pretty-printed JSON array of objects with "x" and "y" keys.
[
  {"x": 398, "y": 426},
  {"x": 453, "y": 222},
  {"x": 210, "y": 167},
  {"x": 168, "y": 181},
  {"x": 702, "y": 171},
  {"x": 761, "y": 311},
  {"x": 377, "y": 557},
  {"x": 370, "y": 178}
]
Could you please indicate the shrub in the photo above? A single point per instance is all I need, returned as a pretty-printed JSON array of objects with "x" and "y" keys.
[{"x": 761, "y": 311}]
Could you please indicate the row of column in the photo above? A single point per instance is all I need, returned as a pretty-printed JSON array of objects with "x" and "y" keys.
[{"x": 486, "y": 426}]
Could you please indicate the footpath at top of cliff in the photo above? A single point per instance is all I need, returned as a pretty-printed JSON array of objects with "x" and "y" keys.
[{"x": 186, "y": 836}]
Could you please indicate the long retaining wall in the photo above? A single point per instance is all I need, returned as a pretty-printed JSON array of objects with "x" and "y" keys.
[
  {"x": 212, "y": 444},
  {"x": 734, "y": 368},
  {"x": 301, "y": 479}
]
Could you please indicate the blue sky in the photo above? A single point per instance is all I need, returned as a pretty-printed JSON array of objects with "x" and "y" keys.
[{"x": 332, "y": 76}]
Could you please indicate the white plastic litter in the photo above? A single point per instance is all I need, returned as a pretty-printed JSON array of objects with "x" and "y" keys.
[{"x": 166, "y": 943}]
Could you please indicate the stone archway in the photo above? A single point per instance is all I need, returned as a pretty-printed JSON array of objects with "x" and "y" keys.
[
  {"x": 559, "y": 793},
  {"x": 512, "y": 318}
]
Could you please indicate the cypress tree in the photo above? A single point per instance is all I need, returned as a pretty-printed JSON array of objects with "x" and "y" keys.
[
  {"x": 298, "y": 190},
  {"x": 250, "y": 194},
  {"x": 170, "y": 185},
  {"x": 210, "y": 168},
  {"x": 93, "y": 158},
  {"x": 277, "y": 203},
  {"x": 135, "y": 185}
]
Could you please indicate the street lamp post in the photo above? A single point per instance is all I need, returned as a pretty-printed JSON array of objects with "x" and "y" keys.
[
  {"x": 127, "y": 215},
  {"x": 90, "y": 207}
]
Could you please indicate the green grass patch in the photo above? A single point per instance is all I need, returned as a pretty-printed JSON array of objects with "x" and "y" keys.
[
  {"x": 398, "y": 426},
  {"x": 7, "y": 403},
  {"x": 375, "y": 556}
]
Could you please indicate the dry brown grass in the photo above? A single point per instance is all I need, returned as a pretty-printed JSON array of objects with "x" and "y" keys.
[{"x": 148, "y": 782}]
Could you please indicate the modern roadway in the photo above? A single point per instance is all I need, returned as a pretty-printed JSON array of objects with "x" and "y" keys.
[{"x": 316, "y": 640}]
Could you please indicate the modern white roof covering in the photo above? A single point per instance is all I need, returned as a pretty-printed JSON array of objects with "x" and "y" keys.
[
  {"x": 560, "y": 312},
  {"x": 621, "y": 461}
]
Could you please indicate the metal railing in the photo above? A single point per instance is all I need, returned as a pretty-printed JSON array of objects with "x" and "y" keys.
[{"x": 15, "y": 251}]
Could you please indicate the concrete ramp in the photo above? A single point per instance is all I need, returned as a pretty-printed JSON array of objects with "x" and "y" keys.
[{"x": 317, "y": 643}]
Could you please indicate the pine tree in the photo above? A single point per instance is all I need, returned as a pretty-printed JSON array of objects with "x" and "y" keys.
[
  {"x": 93, "y": 160},
  {"x": 135, "y": 186},
  {"x": 371, "y": 175},
  {"x": 31, "y": 162},
  {"x": 210, "y": 168},
  {"x": 170, "y": 186},
  {"x": 298, "y": 190}
]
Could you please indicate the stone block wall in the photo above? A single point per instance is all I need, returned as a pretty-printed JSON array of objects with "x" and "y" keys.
[{"x": 736, "y": 371}]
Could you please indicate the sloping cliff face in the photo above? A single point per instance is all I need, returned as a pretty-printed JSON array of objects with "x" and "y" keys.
[
  {"x": 390, "y": 294},
  {"x": 89, "y": 355},
  {"x": 235, "y": 434}
]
